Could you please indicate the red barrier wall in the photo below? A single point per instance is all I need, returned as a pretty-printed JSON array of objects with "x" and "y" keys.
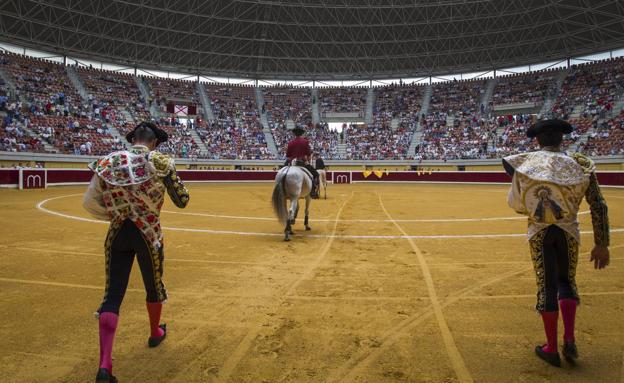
[
  {"x": 498, "y": 177},
  {"x": 10, "y": 177}
]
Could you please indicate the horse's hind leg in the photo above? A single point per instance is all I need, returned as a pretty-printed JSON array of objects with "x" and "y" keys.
[
  {"x": 287, "y": 232},
  {"x": 307, "y": 212},
  {"x": 294, "y": 209}
]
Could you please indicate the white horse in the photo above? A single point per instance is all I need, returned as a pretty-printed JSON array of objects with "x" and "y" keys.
[
  {"x": 322, "y": 181},
  {"x": 291, "y": 183}
]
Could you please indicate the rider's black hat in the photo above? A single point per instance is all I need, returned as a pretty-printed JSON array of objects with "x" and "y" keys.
[{"x": 298, "y": 130}]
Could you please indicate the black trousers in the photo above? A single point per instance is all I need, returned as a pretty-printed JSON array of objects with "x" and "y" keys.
[
  {"x": 122, "y": 245},
  {"x": 555, "y": 255}
]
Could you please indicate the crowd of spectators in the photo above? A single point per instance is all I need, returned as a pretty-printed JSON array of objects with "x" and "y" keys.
[
  {"x": 458, "y": 98},
  {"x": 14, "y": 138},
  {"x": 38, "y": 80},
  {"x": 377, "y": 141},
  {"x": 283, "y": 103},
  {"x": 231, "y": 102},
  {"x": 594, "y": 86},
  {"x": 164, "y": 89},
  {"x": 524, "y": 88},
  {"x": 70, "y": 135},
  {"x": 398, "y": 101},
  {"x": 344, "y": 99},
  {"x": 606, "y": 139},
  {"x": 467, "y": 138},
  {"x": 46, "y": 109},
  {"x": 226, "y": 140}
]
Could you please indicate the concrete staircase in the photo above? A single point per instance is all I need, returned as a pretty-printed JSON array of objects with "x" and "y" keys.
[
  {"x": 487, "y": 95},
  {"x": 270, "y": 141},
  {"x": 203, "y": 149},
  {"x": 342, "y": 151},
  {"x": 77, "y": 83},
  {"x": 370, "y": 103},
  {"x": 424, "y": 109},
  {"x": 576, "y": 112},
  {"x": 583, "y": 139},
  {"x": 290, "y": 124},
  {"x": 205, "y": 102},
  {"x": 264, "y": 121},
  {"x": 127, "y": 115},
  {"x": 8, "y": 80},
  {"x": 46, "y": 145},
  {"x": 394, "y": 124},
  {"x": 553, "y": 93},
  {"x": 316, "y": 114},
  {"x": 115, "y": 133},
  {"x": 146, "y": 96},
  {"x": 619, "y": 105}
]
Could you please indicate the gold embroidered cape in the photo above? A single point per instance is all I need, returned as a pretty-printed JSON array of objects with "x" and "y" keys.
[{"x": 548, "y": 187}]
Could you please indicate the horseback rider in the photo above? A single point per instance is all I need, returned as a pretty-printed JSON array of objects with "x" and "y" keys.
[{"x": 299, "y": 151}]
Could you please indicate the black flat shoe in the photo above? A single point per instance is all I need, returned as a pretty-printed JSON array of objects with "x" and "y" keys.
[
  {"x": 551, "y": 358},
  {"x": 156, "y": 340},
  {"x": 570, "y": 351},
  {"x": 103, "y": 376}
]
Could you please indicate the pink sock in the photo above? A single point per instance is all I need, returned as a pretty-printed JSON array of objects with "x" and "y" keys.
[
  {"x": 154, "y": 310},
  {"x": 568, "y": 313},
  {"x": 550, "y": 319},
  {"x": 108, "y": 326}
]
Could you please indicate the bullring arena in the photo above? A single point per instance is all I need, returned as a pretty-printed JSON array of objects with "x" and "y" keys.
[{"x": 395, "y": 282}]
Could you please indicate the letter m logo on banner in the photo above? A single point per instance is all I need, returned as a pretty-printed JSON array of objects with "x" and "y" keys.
[
  {"x": 32, "y": 179},
  {"x": 341, "y": 177}
]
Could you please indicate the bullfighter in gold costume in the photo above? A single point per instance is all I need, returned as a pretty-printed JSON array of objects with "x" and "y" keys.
[{"x": 548, "y": 186}]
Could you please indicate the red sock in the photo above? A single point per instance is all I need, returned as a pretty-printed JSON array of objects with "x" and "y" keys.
[
  {"x": 568, "y": 313},
  {"x": 550, "y": 319},
  {"x": 108, "y": 326},
  {"x": 154, "y": 310}
]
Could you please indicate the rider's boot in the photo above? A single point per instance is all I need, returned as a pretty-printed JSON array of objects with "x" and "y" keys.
[{"x": 314, "y": 193}]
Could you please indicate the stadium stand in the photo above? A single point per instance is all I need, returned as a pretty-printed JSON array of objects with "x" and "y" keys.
[
  {"x": 593, "y": 87},
  {"x": 377, "y": 141},
  {"x": 232, "y": 101},
  {"x": 39, "y": 81},
  {"x": 398, "y": 101},
  {"x": 523, "y": 87},
  {"x": 226, "y": 140},
  {"x": 457, "y": 98},
  {"x": 607, "y": 139},
  {"x": 283, "y": 103},
  {"x": 46, "y": 109},
  {"x": 343, "y": 99}
]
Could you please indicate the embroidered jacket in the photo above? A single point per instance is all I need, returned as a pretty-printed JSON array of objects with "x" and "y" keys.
[
  {"x": 131, "y": 185},
  {"x": 549, "y": 186}
]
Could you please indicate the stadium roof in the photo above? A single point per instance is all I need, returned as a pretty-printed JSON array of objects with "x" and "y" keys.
[{"x": 316, "y": 39}]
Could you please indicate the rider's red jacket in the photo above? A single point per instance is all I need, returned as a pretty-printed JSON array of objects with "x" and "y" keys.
[{"x": 298, "y": 149}]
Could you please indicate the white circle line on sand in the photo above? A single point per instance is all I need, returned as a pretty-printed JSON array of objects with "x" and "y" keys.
[
  {"x": 357, "y": 220},
  {"x": 41, "y": 207}
]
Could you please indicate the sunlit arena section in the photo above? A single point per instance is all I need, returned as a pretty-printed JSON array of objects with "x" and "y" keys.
[{"x": 313, "y": 191}]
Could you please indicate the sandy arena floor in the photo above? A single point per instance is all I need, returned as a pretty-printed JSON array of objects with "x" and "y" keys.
[{"x": 396, "y": 283}]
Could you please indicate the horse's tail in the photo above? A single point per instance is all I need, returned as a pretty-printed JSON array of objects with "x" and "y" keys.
[{"x": 279, "y": 199}]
